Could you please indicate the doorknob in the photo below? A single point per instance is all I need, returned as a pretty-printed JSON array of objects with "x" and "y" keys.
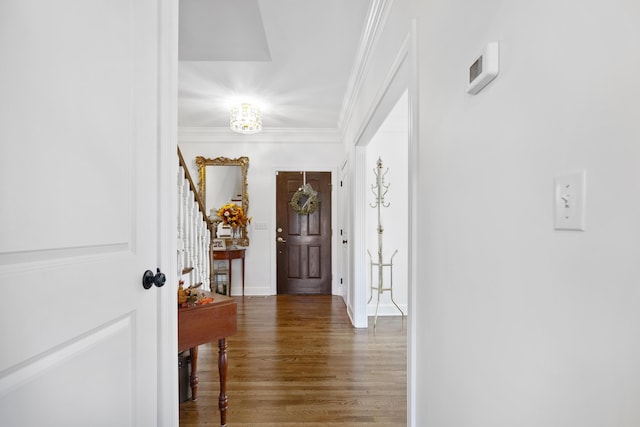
[
  {"x": 281, "y": 240},
  {"x": 149, "y": 279},
  {"x": 344, "y": 242}
]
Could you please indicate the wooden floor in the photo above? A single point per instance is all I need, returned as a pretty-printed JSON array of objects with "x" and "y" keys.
[{"x": 297, "y": 361}]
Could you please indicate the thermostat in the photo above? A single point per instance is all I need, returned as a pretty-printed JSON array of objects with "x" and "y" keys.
[{"x": 484, "y": 69}]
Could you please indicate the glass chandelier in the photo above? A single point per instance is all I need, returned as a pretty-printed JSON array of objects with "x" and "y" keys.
[{"x": 246, "y": 118}]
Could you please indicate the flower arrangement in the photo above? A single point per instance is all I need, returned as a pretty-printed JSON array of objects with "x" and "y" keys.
[
  {"x": 191, "y": 295},
  {"x": 233, "y": 215}
]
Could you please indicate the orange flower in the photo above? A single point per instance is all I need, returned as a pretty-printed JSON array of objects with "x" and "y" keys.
[{"x": 233, "y": 215}]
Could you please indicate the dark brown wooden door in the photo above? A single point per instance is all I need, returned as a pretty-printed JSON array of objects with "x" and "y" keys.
[{"x": 303, "y": 241}]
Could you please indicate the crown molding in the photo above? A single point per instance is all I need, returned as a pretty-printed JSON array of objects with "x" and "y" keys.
[
  {"x": 399, "y": 60},
  {"x": 288, "y": 135},
  {"x": 376, "y": 20}
]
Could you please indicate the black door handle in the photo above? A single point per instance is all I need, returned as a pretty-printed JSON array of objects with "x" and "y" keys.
[
  {"x": 149, "y": 279},
  {"x": 344, "y": 242}
]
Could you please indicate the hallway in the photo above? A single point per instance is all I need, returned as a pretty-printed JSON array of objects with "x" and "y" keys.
[{"x": 297, "y": 361}]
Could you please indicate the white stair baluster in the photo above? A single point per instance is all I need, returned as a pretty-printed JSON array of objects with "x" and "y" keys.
[
  {"x": 186, "y": 195},
  {"x": 194, "y": 236},
  {"x": 190, "y": 227},
  {"x": 180, "y": 230},
  {"x": 197, "y": 249}
]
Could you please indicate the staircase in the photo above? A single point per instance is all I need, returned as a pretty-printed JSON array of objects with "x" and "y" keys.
[{"x": 194, "y": 232}]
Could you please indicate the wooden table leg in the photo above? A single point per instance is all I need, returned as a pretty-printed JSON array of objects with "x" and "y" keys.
[
  {"x": 223, "y": 402},
  {"x": 193, "y": 351},
  {"x": 243, "y": 276},
  {"x": 229, "y": 269}
]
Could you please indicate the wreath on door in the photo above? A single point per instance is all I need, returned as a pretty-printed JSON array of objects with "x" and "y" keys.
[{"x": 305, "y": 200}]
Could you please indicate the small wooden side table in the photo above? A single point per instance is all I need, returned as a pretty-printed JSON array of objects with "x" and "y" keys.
[
  {"x": 200, "y": 324},
  {"x": 229, "y": 255}
]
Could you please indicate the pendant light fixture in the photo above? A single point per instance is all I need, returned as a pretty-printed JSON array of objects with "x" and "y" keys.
[{"x": 246, "y": 119}]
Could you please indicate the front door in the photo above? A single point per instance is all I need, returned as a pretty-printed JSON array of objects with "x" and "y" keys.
[
  {"x": 303, "y": 241},
  {"x": 79, "y": 212}
]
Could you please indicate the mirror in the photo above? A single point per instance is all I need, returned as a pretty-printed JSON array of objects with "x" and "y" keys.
[{"x": 224, "y": 180}]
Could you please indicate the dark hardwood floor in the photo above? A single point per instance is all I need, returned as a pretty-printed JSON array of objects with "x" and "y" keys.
[{"x": 297, "y": 361}]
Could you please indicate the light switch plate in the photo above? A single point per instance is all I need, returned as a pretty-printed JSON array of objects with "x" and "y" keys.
[{"x": 569, "y": 200}]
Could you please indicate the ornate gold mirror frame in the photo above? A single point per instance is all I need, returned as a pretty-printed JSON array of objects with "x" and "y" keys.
[{"x": 243, "y": 163}]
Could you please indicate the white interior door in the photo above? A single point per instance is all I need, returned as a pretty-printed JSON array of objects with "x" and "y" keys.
[
  {"x": 343, "y": 219},
  {"x": 78, "y": 216}
]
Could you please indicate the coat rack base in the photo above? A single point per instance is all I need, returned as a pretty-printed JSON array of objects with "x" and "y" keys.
[{"x": 379, "y": 289}]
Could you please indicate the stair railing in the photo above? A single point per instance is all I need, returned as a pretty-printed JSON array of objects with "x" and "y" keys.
[{"x": 194, "y": 231}]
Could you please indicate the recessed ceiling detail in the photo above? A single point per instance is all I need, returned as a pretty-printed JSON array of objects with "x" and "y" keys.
[
  {"x": 222, "y": 30},
  {"x": 294, "y": 58}
]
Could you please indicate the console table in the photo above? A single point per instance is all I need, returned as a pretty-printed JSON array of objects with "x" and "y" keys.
[
  {"x": 200, "y": 324},
  {"x": 229, "y": 255}
]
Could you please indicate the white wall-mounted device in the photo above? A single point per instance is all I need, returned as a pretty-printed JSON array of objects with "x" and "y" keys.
[
  {"x": 484, "y": 69},
  {"x": 569, "y": 201}
]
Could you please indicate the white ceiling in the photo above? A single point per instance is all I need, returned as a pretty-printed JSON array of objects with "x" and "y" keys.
[{"x": 295, "y": 57}]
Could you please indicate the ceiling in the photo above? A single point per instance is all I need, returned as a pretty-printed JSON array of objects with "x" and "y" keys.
[{"x": 293, "y": 57}]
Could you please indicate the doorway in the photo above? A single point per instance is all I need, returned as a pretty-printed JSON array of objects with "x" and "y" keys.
[
  {"x": 303, "y": 240},
  {"x": 389, "y": 149}
]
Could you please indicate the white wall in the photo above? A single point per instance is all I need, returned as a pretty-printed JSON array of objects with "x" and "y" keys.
[
  {"x": 381, "y": 82},
  {"x": 520, "y": 324},
  {"x": 264, "y": 159},
  {"x": 390, "y": 144},
  {"x": 515, "y": 323}
]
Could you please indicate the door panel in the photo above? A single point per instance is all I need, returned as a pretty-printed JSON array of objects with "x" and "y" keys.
[
  {"x": 78, "y": 159},
  {"x": 71, "y": 370},
  {"x": 304, "y": 254},
  {"x": 294, "y": 262},
  {"x": 315, "y": 262}
]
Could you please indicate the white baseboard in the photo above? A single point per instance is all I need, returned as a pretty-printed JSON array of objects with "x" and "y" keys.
[{"x": 253, "y": 291}]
